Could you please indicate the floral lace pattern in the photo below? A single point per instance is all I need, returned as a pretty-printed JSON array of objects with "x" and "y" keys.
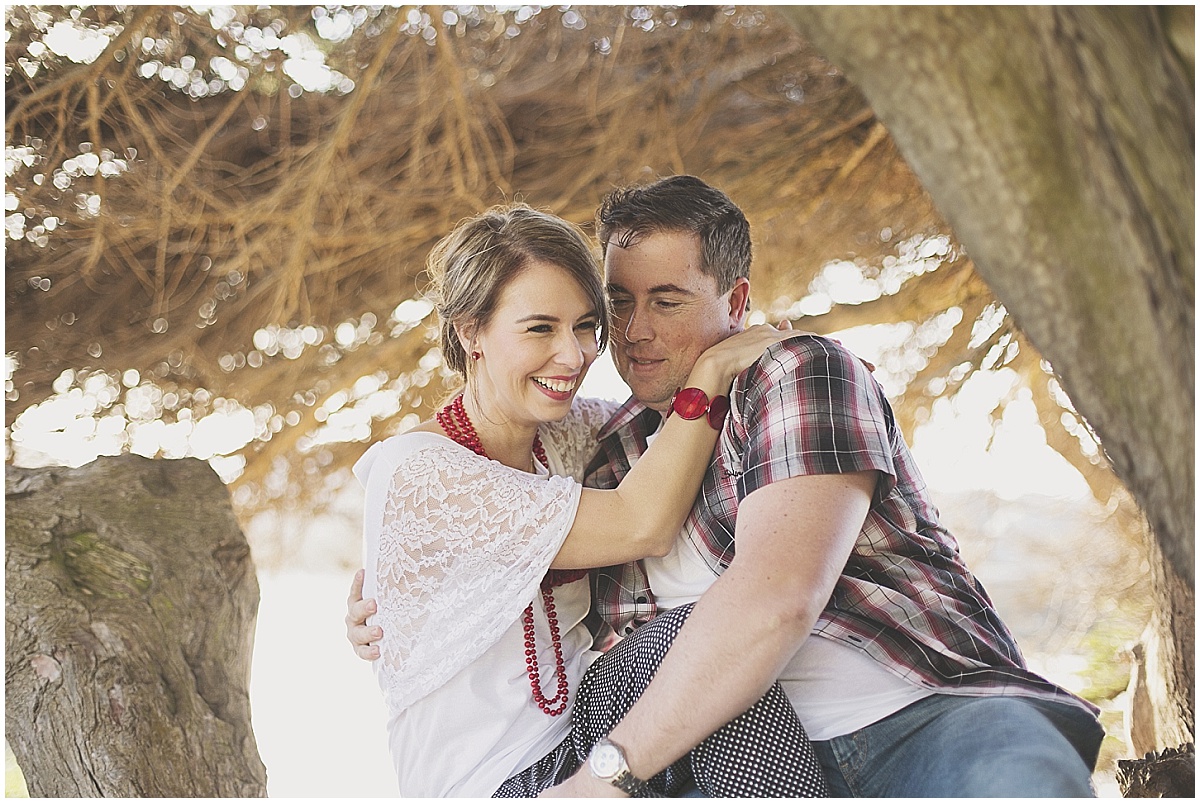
[
  {"x": 462, "y": 545},
  {"x": 573, "y": 440}
]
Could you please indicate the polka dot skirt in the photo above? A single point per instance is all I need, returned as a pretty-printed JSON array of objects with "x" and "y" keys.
[{"x": 762, "y": 753}]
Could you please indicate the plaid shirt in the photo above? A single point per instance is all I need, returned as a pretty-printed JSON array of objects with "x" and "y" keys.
[{"x": 905, "y": 597}]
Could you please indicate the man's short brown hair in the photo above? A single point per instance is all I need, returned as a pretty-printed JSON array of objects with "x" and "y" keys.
[{"x": 680, "y": 204}]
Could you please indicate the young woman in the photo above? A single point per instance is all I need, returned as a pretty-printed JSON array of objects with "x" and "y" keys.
[{"x": 478, "y": 534}]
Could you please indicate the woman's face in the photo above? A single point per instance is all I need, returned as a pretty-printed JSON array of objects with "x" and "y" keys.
[{"x": 536, "y": 349}]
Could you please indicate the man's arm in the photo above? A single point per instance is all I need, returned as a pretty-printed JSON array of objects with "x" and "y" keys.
[
  {"x": 362, "y": 637},
  {"x": 794, "y": 537}
]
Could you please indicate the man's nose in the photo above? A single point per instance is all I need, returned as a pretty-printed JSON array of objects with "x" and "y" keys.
[{"x": 638, "y": 327}]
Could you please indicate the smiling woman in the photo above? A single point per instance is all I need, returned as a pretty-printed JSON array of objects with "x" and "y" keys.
[{"x": 540, "y": 356}]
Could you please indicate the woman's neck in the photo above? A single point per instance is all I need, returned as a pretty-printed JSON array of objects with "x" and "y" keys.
[{"x": 504, "y": 441}]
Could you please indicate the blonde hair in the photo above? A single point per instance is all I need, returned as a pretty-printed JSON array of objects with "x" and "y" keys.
[{"x": 470, "y": 267}]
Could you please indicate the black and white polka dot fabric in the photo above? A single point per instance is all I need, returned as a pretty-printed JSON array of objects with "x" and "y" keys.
[
  {"x": 555, "y": 767},
  {"x": 762, "y": 753}
]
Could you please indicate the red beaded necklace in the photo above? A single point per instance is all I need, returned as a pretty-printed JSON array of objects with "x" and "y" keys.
[{"x": 453, "y": 419}]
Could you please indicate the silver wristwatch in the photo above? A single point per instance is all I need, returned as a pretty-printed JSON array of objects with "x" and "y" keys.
[{"x": 607, "y": 763}]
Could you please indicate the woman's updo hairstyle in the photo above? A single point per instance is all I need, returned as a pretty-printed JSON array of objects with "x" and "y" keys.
[{"x": 470, "y": 267}]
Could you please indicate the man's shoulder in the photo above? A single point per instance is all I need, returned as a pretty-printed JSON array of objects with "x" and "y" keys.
[
  {"x": 803, "y": 353},
  {"x": 807, "y": 378}
]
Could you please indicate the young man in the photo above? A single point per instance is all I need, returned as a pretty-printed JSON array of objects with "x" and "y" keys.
[{"x": 814, "y": 552}]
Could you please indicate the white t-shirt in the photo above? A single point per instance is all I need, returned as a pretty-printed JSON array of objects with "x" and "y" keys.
[
  {"x": 455, "y": 548},
  {"x": 835, "y": 688}
]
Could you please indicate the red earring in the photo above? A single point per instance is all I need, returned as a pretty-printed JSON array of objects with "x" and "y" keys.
[{"x": 475, "y": 355}]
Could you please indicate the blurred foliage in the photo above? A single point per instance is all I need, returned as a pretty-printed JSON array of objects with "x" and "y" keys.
[{"x": 218, "y": 215}]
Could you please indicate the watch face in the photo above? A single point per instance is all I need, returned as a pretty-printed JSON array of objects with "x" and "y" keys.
[{"x": 604, "y": 761}]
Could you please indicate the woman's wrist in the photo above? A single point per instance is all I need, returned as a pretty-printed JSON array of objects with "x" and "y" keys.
[{"x": 710, "y": 377}]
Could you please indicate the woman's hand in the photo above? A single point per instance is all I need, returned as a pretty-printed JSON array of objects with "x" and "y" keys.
[{"x": 728, "y": 358}]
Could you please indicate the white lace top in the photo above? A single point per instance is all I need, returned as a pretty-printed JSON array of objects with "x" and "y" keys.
[{"x": 455, "y": 547}]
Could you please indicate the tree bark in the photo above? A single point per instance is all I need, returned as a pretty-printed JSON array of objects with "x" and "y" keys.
[
  {"x": 1162, "y": 708},
  {"x": 1059, "y": 144},
  {"x": 129, "y": 623},
  {"x": 1171, "y": 773}
]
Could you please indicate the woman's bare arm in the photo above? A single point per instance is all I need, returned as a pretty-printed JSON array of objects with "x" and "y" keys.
[{"x": 643, "y": 515}]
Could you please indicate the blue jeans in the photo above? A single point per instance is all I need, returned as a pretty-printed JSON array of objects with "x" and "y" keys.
[{"x": 954, "y": 746}]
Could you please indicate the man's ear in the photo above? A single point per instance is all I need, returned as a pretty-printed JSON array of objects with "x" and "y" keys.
[{"x": 739, "y": 302}]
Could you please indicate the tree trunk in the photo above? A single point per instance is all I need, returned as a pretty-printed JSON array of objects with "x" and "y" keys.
[
  {"x": 1059, "y": 143},
  {"x": 129, "y": 623}
]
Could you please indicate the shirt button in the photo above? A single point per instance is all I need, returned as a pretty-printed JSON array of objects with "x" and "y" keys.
[
  {"x": 641, "y": 600},
  {"x": 628, "y": 630}
]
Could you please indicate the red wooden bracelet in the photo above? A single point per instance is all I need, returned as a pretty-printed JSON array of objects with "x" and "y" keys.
[{"x": 692, "y": 403}]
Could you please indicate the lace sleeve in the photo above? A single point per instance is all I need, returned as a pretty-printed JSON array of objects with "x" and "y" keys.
[
  {"x": 463, "y": 544},
  {"x": 574, "y": 438}
]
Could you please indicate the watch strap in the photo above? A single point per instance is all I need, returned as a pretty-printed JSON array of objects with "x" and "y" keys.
[{"x": 632, "y": 785}]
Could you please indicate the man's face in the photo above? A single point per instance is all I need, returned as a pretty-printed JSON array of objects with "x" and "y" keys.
[{"x": 666, "y": 312}]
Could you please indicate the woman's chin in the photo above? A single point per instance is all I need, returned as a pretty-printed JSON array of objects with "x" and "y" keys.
[{"x": 554, "y": 409}]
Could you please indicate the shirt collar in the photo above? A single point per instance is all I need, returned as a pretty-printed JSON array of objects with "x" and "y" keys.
[{"x": 623, "y": 417}]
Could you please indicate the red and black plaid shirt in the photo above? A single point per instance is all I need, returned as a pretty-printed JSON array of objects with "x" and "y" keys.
[{"x": 905, "y": 597}]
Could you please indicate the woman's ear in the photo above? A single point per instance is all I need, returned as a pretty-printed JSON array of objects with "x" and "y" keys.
[{"x": 465, "y": 333}]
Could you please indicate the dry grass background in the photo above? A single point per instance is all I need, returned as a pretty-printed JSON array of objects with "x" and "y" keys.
[{"x": 246, "y": 219}]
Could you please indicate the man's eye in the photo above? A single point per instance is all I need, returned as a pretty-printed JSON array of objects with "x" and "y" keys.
[
  {"x": 667, "y": 304},
  {"x": 620, "y": 303}
]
